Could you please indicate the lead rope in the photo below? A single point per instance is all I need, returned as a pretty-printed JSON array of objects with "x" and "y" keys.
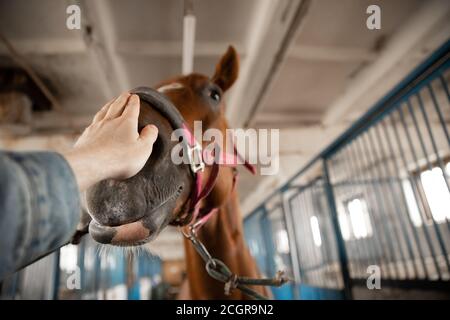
[{"x": 218, "y": 270}]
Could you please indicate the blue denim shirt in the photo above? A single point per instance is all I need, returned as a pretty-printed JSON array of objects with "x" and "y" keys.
[{"x": 39, "y": 206}]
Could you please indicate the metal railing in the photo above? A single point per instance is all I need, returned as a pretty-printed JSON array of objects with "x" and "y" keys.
[{"x": 380, "y": 194}]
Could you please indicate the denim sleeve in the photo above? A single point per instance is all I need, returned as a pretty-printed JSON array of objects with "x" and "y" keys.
[{"x": 39, "y": 206}]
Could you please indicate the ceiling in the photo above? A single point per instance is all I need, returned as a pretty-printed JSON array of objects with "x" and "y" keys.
[{"x": 308, "y": 68}]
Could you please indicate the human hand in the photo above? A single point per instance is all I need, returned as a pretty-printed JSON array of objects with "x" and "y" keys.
[{"x": 111, "y": 147}]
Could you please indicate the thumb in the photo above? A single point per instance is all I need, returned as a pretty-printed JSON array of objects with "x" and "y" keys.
[{"x": 149, "y": 134}]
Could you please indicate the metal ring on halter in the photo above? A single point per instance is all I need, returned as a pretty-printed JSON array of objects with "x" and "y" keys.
[
  {"x": 215, "y": 267},
  {"x": 194, "y": 155}
]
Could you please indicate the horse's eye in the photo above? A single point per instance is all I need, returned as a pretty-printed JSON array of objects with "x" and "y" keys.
[{"x": 215, "y": 95}]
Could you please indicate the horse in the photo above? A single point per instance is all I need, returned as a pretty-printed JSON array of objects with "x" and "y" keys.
[{"x": 134, "y": 211}]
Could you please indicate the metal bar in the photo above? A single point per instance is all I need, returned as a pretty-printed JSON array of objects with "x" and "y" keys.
[
  {"x": 439, "y": 113},
  {"x": 327, "y": 243},
  {"x": 352, "y": 250},
  {"x": 56, "y": 275},
  {"x": 374, "y": 252},
  {"x": 316, "y": 251},
  {"x": 384, "y": 205},
  {"x": 306, "y": 244},
  {"x": 318, "y": 214},
  {"x": 343, "y": 260},
  {"x": 380, "y": 204},
  {"x": 359, "y": 268},
  {"x": 307, "y": 230},
  {"x": 97, "y": 274},
  {"x": 305, "y": 251},
  {"x": 292, "y": 239},
  {"x": 433, "y": 141},
  {"x": 318, "y": 190},
  {"x": 416, "y": 161},
  {"x": 373, "y": 213},
  {"x": 309, "y": 212},
  {"x": 430, "y": 167},
  {"x": 81, "y": 254},
  {"x": 268, "y": 241},
  {"x": 431, "y": 67},
  {"x": 445, "y": 86},
  {"x": 397, "y": 169},
  {"x": 295, "y": 236},
  {"x": 368, "y": 248},
  {"x": 394, "y": 198},
  {"x": 387, "y": 205}
]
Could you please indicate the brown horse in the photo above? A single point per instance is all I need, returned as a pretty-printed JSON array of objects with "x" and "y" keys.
[{"x": 134, "y": 211}]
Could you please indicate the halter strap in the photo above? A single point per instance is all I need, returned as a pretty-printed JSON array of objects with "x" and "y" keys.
[{"x": 198, "y": 158}]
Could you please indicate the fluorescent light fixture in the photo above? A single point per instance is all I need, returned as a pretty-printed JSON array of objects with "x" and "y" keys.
[{"x": 188, "y": 43}]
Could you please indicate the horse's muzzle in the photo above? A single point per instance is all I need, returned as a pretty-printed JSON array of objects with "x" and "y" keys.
[{"x": 134, "y": 233}]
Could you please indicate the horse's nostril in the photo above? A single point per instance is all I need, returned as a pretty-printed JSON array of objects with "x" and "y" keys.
[{"x": 180, "y": 189}]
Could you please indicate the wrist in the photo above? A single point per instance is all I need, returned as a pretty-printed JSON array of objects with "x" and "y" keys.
[{"x": 87, "y": 167}]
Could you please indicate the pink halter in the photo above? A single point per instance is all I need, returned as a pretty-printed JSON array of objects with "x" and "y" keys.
[
  {"x": 196, "y": 157},
  {"x": 198, "y": 160}
]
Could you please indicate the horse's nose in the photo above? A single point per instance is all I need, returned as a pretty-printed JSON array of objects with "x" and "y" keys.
[
  {"x": 112, "y": 202},
  {"x": 161, "y": 150}
]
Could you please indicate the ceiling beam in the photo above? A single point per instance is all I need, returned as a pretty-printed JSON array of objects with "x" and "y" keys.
[
  {"x": 47, "y": 46},
  {"x": 63, "y": 46},
  {"x": 46, "y": 123},
  {"x": 173, "y": 48},
  {"x": 285, "y": 118},
  {"x": 331, "y": 53},
  {"x": 216, "y": 48},
  {"x": 101, "y": 41},
  {"x": 273, "y": 29}
]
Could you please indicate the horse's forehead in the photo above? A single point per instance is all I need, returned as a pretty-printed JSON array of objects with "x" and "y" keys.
[
  {"x": 170, "y": 86},
  {"x": 192, "y": 82}
]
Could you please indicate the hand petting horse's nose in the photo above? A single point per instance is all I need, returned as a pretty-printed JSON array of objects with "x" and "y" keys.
[{"x": 111, "y": 147}]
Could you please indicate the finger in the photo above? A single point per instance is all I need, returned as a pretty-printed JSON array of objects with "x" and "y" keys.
[
  {"x": 102, "y": 112},
  {"x": 116, "y": 108},
  {"x": 132, "y": 108},
  {"x": 149, "y": 134}
]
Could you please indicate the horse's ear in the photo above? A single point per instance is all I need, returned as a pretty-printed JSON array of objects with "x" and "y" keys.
[{"x": 227, "y": 69}]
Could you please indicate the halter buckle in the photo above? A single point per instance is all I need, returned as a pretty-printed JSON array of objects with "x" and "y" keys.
[{"x": 195, "y": 158}]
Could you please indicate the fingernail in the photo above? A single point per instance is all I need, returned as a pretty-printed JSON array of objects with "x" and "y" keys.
[
  {"x": 135, "y": 99},
  {"x": 123, "y": 96},
  {"x": 153, "y": 127}
]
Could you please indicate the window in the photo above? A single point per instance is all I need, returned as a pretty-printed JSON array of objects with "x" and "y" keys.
[
  {"x": 344, "y": 226},
  {"x": 354, "y": 220},
  {"x": 413, "y": 210},
  {"x": 435, "y": 194},
  {"x": 68, "y": 258},
  {"x": 316, "y": 231},
  {"x": 359, "y": 218},
  {"x": 282, "y": 241}
]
